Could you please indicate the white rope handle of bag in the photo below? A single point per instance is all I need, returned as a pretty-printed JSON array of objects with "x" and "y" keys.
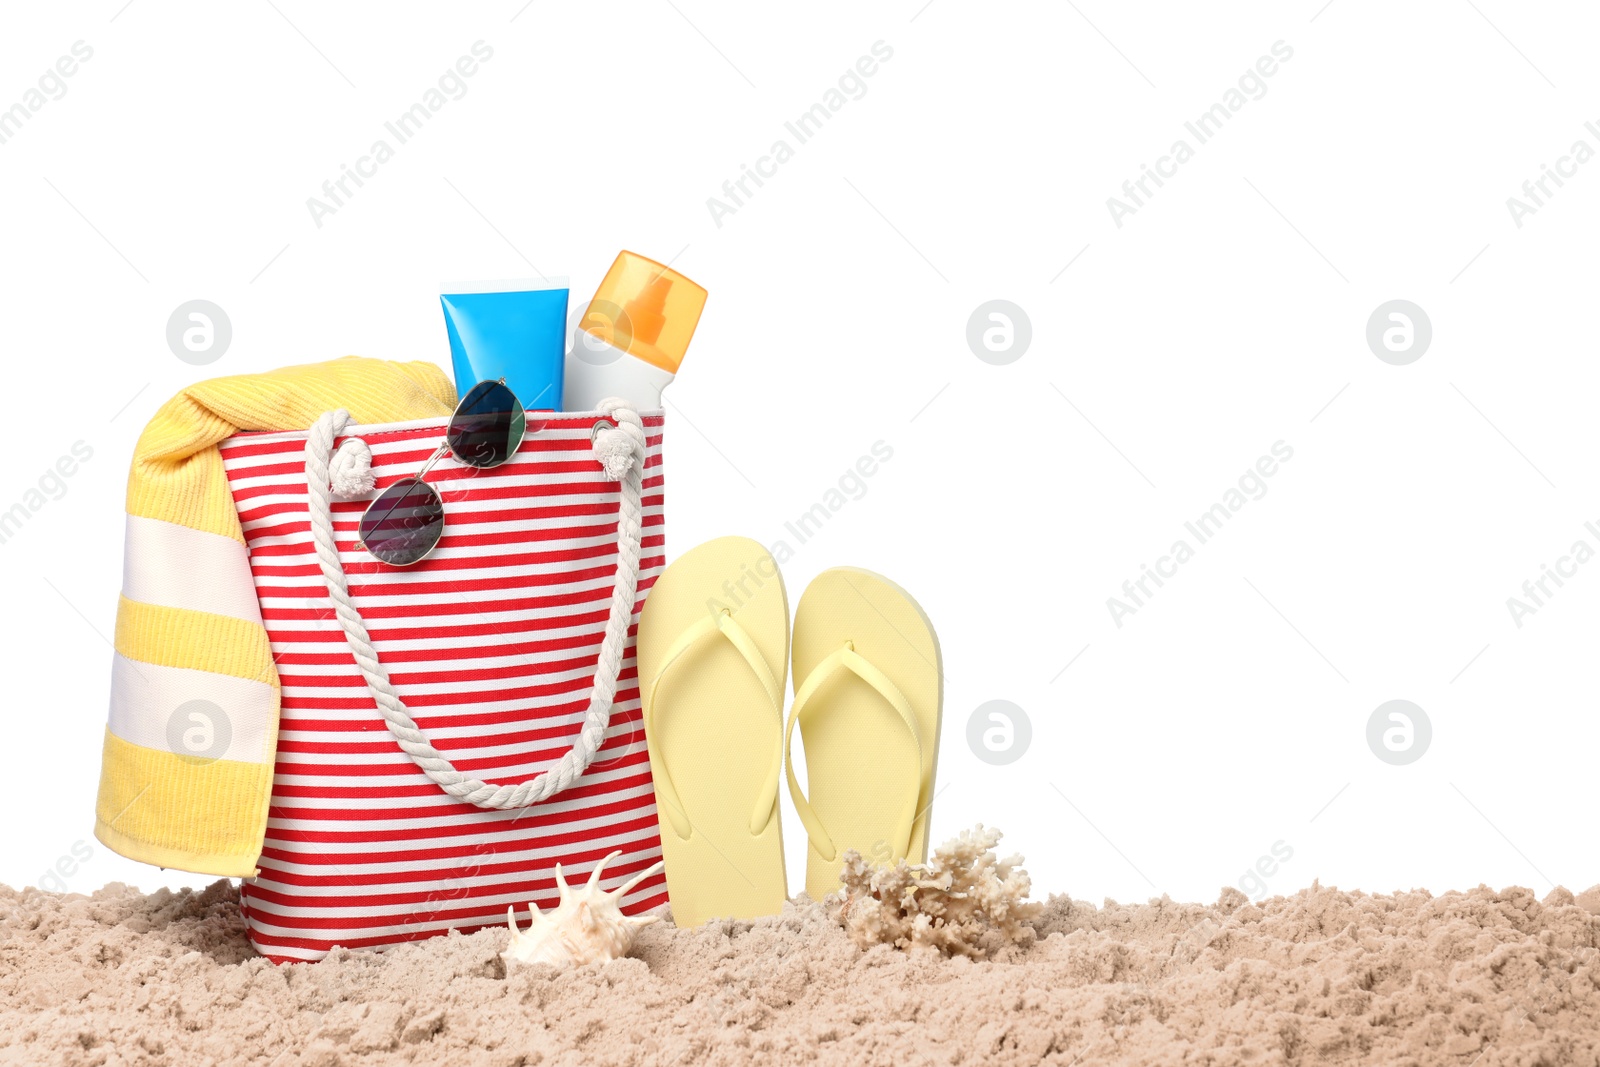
[{"x": 620, "y": 450}]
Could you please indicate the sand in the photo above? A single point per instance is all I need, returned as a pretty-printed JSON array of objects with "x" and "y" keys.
[{"x": 1474, "y": 979}]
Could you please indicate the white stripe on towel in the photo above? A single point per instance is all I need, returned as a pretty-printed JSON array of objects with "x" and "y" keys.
[
  {"x": 188, "y": 712},
  {"x": 174, "y": 566}
]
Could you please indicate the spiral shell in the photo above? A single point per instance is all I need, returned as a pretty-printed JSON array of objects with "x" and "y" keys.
[{"x": 587, "y": 926}]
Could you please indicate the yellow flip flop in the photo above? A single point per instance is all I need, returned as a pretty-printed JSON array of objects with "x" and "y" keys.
[
  {"x": 713, "y": 653},
  {"x": 868, "y": 691}
]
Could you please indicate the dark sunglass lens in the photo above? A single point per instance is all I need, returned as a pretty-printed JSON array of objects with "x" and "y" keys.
[
  {"x": 404, "y": 523},
  {"x": 488, "y": 426}
]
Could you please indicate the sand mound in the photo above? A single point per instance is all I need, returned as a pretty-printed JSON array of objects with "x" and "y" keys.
[{"x": 1324, "y": 977}]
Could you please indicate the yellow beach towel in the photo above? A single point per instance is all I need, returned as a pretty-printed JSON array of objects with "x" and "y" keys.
[{"x": 189, "y": 638}]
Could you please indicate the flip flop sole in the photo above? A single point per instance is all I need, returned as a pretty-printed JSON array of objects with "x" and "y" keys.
[
  {"x": 715, "y": 728},
  {"x": 860, "y": 758}
]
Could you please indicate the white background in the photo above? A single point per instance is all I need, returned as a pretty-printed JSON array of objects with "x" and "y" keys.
[{"x": 1227, "y": 314}]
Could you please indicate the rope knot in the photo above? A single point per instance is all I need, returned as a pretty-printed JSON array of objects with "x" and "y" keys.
[
  {"x": 350, "y": 469},
  {"x": 618, "y": 448}
]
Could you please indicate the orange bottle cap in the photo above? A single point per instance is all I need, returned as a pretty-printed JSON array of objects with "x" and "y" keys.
[{"x": 648, "y": 310}]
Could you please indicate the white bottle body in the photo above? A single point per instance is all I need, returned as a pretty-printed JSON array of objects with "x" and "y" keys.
[{"x": 597, "y": 369}]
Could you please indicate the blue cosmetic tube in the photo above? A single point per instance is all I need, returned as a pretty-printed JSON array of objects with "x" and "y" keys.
[{"x": 516, "y": 330}]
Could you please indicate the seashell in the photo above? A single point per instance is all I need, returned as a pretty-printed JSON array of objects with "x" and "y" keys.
[{"x": 587, "y": 926}]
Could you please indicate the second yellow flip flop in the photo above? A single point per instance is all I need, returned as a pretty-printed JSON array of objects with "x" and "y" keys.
[
  {"x": 713, "y": 653},
  {"x": 868, "y": 690}
]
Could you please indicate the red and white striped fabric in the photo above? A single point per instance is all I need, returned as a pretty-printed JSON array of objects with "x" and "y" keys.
[{"x": 493, "y": 642}]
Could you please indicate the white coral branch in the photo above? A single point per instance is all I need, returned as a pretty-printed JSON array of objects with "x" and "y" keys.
[{"x": 962, "y": 902}]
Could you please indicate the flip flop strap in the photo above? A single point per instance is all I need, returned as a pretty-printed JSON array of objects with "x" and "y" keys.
[
  {"x": 666, "y": 792},
  {"x": 847, "y": 658}
]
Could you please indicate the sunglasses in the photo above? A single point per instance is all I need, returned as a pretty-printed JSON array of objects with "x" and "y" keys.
[{"x": 406, "y": 520}]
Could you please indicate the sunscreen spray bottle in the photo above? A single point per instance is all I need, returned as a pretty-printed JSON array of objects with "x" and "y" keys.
[{"x": 632, "y": 337}]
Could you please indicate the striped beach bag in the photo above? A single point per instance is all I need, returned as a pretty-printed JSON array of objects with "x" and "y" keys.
[{"x": 453, "y": 730}]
